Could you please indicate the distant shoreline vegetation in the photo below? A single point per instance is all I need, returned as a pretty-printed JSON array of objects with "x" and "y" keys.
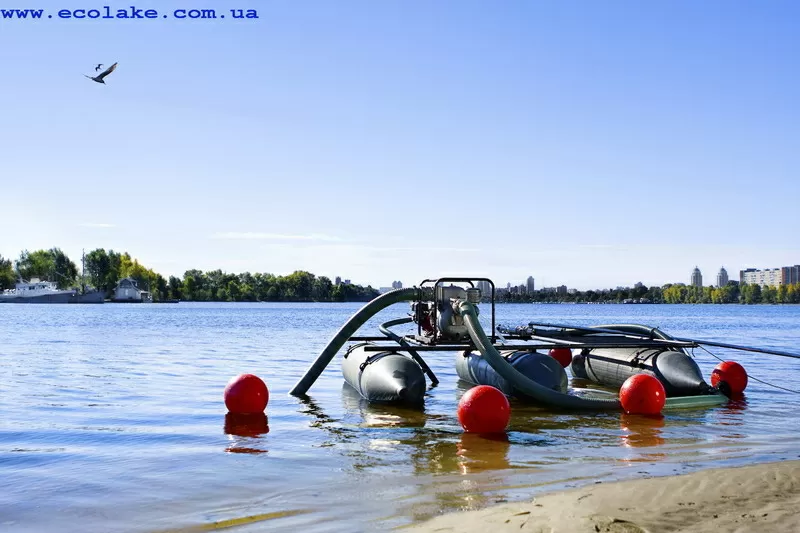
[
  {"x": 678, "y": 293},
  {"x": 104, "y": 269}
]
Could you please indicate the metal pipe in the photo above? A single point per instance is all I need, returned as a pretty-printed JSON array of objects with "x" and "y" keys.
[
  {"x": 741, "y": 348},
  {"x": 624, "y": 330},
  {"x": 666, "y": 338},
  {"x": 459, "y": 347}
]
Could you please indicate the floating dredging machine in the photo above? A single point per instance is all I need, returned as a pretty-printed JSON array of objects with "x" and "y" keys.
[{"x": 390, "y": 367}]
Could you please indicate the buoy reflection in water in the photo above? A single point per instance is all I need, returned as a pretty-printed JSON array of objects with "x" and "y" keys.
[
  {"x": 642, "y": 430},
  {"x": 479, "y": 453},
  {"x": 243, "y": 430}
]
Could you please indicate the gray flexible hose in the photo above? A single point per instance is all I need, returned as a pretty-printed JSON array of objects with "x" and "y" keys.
[
  {"x": 520, "y": 381},
  {"x": 347, "y": 330}
]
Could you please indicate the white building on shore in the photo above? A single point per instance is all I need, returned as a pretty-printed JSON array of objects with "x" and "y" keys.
[{"x": 128, "y": 291}]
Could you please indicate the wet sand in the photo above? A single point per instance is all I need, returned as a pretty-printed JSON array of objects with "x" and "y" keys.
[{"x": 762, "y": 497}]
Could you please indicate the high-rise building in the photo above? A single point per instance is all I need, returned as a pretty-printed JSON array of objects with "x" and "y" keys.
[
  {"x": 746, "y": 274},
  {"x": 697, "y": 278},
  {"x": 790, "y": 275},
  {"x": 530, "y": 285},
  {"x": 768, "y": 277},
  {"x": 486, "y": 288},
  {"x": 722, "y": 277},
  {"x": 772, "y": 277},
  {"x": 338, "y": 281}
]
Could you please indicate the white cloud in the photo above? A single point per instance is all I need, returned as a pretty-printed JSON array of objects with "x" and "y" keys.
[
  {"x": 418, "y": 249},
  {"x": 96, "y": 225},
  {"x": 249, "y": 235}
]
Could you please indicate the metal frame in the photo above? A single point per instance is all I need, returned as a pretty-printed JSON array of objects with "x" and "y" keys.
[{"x": 559, "y": 336}]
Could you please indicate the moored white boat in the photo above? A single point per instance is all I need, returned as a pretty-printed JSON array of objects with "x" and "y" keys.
[{"x": 37, "y": 292}]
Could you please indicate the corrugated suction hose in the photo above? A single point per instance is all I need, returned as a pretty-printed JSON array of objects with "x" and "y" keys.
[{"x": 522, "y": 383}]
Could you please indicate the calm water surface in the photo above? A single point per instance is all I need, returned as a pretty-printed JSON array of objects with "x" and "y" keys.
[{"x": 111, "y": 419}]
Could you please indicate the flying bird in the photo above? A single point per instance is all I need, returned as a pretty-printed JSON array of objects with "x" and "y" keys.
[
  {"x": 99, "y": 78},
  {"x": 98, "y": 67}
]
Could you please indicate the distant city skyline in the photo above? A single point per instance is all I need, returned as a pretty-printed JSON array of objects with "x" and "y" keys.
[{"x": 767, "y": 276}]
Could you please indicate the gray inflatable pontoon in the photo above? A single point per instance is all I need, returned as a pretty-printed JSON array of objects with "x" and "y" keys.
[{"x": 383, "y": 376}]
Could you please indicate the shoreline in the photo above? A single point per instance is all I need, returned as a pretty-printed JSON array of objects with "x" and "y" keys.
[{"x": 744, "y": 498}]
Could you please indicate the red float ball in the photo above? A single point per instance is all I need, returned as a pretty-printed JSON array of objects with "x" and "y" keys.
[
  {"x": 246, "y": 394},
  {"x": 562, "y": 355},
  {"x": 642, "y": 394},
  {"x": 484, "y": 409},
  {"x": 733, "y": 374}
]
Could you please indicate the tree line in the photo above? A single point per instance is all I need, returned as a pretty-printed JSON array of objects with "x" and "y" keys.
[
  {"x": 670, "y": 293},
  {"x": 103, "y": 270}
]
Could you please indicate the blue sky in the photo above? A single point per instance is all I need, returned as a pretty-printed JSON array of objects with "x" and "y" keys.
[{"x": 591, "y": 144}]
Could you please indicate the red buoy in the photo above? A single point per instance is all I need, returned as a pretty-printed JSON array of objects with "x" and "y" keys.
[
  {"x": 730, "y": 375},
  {"x": 246, "y": 394},
  {"x": 642, "y": 394},
  {"x": 484, "y": 409},
  {"x": 562, "y": 355}
]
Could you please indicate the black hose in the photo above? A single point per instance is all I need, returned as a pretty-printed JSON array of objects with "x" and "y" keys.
[
  {"x": 384, "y": 328},
  {"x": 347, "y": 330}
]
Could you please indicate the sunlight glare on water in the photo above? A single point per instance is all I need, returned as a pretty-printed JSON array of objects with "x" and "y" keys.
[{"x": 111, "y": 419}]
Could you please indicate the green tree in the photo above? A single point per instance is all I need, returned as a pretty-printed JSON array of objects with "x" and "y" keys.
[
  {"x": 233, "y": 291},
  {"x": 161, "y": 289},
  {"x": 322, "y": 289},
  {"x": 751, "y": 293},
  {"x": 273, "y": 293},
  {"x": 175, "y": 288},
  {"x": 768, "y": 294},
  {"x": 192, "y": 289},
  {"x": 99, "y": 266},
  {"x": 7, "y": 276},
  {"x": 300, "y": 284},
  {"x": 38, "y": 264},
  {"x": 793, "y": 293},
  {"x": 781, "y": 295},
  {"x": 52, "y": 265}
]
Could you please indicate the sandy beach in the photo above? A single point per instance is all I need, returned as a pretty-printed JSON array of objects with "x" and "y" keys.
[{"x": 763, "y": 497}]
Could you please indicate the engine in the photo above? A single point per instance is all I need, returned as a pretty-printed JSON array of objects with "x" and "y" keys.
[{"x": 437, "y": 319}]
